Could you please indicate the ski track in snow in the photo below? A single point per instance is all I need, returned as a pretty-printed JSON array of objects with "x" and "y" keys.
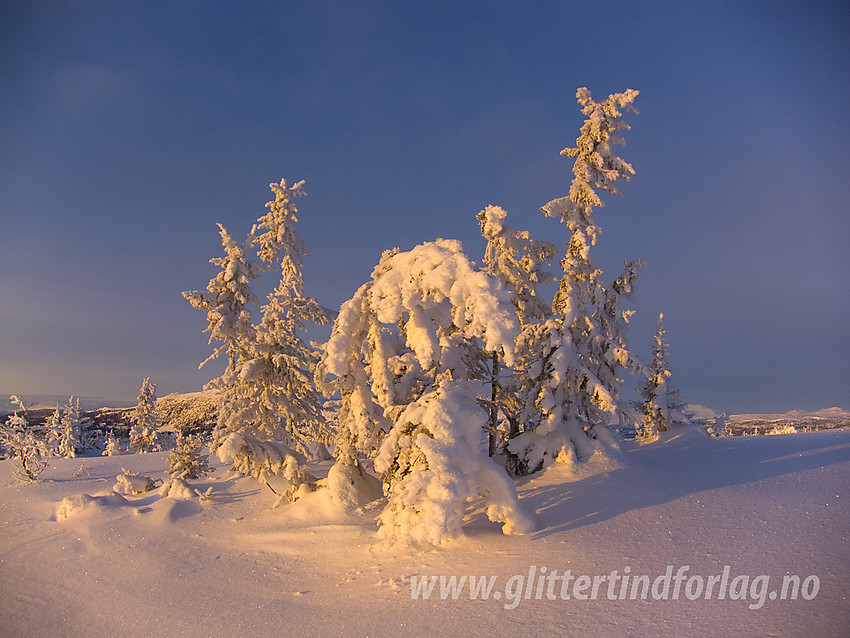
[{"x": 234, "y": 565}]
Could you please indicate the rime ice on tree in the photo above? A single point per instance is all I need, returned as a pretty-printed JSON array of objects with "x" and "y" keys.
[
  {"x": 188, "y": 459},
  {"x": 21, "y": 442},
  {"x": 521, "y": 265}
]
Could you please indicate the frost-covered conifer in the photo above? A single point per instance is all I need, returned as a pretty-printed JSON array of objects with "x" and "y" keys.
[
  {"x": 188, "y": 459},
  {"x": 279, "y": 468},
  {"x": 267, "y": 390},
  {"x": 53, "y": 432},
  {"x": 69, "y": 428},
  {"x": 575, "y": 357},
  {"x": 113, "y": 446},
  {"x": 226, "y": 301},
  {"x": 270, "y": 406},
  {"x": 403, "y": 356},
  {"x": 143, "y": 433},
  {"x": 271, "y": 392},
  {"x": 661, "y": 407},
  {"x": 520, "y": 264}
]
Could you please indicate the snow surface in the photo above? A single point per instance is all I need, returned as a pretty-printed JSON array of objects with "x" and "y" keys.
[{"x": 231, "y": 564}]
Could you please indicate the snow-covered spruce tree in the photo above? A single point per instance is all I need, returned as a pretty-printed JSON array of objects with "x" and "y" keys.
[
  {"x": 575, "y": 356},
  {"x": 69, "y": 428},
  {"x": 229, "y": 319},
  {"x": 113, "y": 446},
  {"x": 20, "y": 442},
  {"x": 188, "y": 459},
  {"x": 661, "y": 407},
  {"x": 271, "y": 393},
  {"x": 521, "y": 265},
  {"x": 53, "y": 432},
  {"x": 143, "y": 433},
  {"x": 270, "y": 407},
  {"x": 404, "y": 357}
]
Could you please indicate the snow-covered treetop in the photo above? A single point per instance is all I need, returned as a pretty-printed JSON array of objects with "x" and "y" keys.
[
  {"x": 227, "y": 296},
  {"x": 597, "y": 166},
  {"x": 279, "y": 224}
]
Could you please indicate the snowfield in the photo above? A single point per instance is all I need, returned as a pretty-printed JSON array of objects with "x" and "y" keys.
[{"x": 233, "y": 564}]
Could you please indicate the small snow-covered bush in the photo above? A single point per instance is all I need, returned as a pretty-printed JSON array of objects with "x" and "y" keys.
[
  {"x": 178, "y": 488},
  {"x": 21, "y": 443},
  {"x": 783, "y": 429},
  {"x": 113, "y": 446},
  {"x": 351, "y": 486},
  {"x": 132, "y": 483},
  {"x": 73, "y": 505}
]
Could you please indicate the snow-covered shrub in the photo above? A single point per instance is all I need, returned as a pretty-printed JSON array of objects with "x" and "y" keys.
[
  {"x": 719, "y": 426},
  {"x": 350, "y": 486},
  {"x": 268, "y": 462},
  {"x": 73, "y": 505},
  {"x": 113, "y": 446},
  {"x": 133, "y": 483},
  {"x": 177, "y": 488},
  {"x": 433, "y": 463},
  {"x": 188, "y": 459},
  {"x": 783, "y": 429},
  {"x": 22, "y": 443}
]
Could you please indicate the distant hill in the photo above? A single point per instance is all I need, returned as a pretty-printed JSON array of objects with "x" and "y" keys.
[{"x": 191, "y": 412}]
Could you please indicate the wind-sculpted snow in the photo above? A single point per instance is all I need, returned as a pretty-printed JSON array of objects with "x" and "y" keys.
[{"x": 231, "y": 564}]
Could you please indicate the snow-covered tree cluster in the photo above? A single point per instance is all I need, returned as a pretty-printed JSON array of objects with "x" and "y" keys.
[
  {"x": 446, "y": 377},
  {"x": 67, "y": 432}
]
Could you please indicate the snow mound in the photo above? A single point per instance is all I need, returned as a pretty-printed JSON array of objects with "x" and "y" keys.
[
  {"x": 73, "y": 505},
  {"x": 179, "y": 489},
  {"x": 132, "y": 483},
  {"x": 351, "y": 486}
]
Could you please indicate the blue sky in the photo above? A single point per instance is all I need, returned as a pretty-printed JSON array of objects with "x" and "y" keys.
[{"x": 128, "y": 129}]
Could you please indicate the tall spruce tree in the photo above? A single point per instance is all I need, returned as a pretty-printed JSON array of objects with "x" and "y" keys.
[
  {"x": 271, "y": 393},
  {"x": 269, "y": 401},
  {"x": 577, "y": 354},
  {"x": 226, "y": 302}
]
